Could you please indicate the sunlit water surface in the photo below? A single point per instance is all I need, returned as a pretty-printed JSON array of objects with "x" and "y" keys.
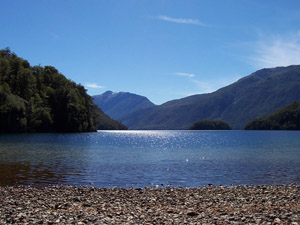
[{"x": 151, "y": 158}]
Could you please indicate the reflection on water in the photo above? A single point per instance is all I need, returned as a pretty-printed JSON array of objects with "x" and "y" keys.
[
  {"x": 25, "y": 174},
  {"x": 146, "y": 158}
]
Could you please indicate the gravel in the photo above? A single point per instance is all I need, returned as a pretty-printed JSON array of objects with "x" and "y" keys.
[{"x": 204, "y": 205}]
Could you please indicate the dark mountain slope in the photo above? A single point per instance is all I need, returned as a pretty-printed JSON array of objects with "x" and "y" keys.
[
  {"x": 118, "y": 105},
  {"x": 250, "y": 97},
  {"x": 286, "y": 118}
]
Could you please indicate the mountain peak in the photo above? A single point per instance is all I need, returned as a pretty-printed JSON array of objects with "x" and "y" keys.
[
  {"x": 119, "y": 104},
  {"x": 253, "y": 96}
]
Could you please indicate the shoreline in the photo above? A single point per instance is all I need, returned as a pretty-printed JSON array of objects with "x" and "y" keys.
[{"x": 169, "y": 205}]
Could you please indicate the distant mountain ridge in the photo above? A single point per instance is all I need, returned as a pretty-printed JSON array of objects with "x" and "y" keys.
[
  {"x": 119, "y": 104},
  {"x": 253, "y": 96}
]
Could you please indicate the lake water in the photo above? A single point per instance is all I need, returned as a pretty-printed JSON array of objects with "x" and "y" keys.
[{"x": 151, "y": 158}]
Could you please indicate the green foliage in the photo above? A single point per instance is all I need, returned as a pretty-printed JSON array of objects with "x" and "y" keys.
[
  {"x": 287, "y": 118},
  {"x": 40, "y": 99},
  {"x": 12, "y": 112},
  {"x": 210, "y": 125}
]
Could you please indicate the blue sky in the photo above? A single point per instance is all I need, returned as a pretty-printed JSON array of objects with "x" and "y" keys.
[{"x": 161, "y": 49}]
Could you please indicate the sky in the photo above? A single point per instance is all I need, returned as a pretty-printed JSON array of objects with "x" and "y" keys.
[{"x": 161, "y": 49}]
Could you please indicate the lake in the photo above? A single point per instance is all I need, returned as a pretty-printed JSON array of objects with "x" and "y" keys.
[{"x": 151, "y": 158}]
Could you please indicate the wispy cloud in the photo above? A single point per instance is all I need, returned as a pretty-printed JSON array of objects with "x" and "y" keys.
[
  {"x": 93, "y": 85},
  {"x": 190, "y": 75},
  {"x": 180, "y": 20},
  {"x": 211, "y": 86},
  {"x": 203, "y": 87},
  {"x": 277, "y": 51}
]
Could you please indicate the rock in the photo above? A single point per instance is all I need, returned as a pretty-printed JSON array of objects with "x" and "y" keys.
[
  {"x": 205, "y": 205},
  {"x": 192, "y": 214}
]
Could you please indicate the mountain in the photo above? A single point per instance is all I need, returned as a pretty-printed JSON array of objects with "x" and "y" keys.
[
  {"x": 253, "y": 96},
  {"x": 119, "y": 105},
  {"x": 286, "y": 118},
  {"x": 40, "y": 99}
]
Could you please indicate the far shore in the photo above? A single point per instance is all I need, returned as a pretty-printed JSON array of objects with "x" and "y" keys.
[{"x": 203, "y": 205}]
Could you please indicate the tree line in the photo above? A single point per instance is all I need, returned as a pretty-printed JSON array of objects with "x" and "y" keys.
[
  {"x": 286, "y": 118},
  {"x": 40, "y": 99}
]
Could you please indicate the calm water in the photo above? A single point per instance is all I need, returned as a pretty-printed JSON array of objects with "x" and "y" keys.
[{"x": 149, "y": 158}]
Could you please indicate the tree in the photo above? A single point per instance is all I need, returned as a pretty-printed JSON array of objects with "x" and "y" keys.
[
  {"x": 210, "y": 125},
  {"x": 40, "y": 99},
  {"x": 286, "y": 118},
  {"x": 12, "y": 113}
]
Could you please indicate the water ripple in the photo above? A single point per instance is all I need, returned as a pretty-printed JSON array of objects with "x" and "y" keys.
[{"x": 143, "y": 158}]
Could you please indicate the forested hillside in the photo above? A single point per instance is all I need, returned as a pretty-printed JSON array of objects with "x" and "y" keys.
[
  {"x": 210, "y": 125},
  {"x": 40, "y": 99},
  {"x": 287, "y": 118}
]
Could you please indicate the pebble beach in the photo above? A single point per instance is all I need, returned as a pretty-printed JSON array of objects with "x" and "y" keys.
[{"x": 204, "y": 205}]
